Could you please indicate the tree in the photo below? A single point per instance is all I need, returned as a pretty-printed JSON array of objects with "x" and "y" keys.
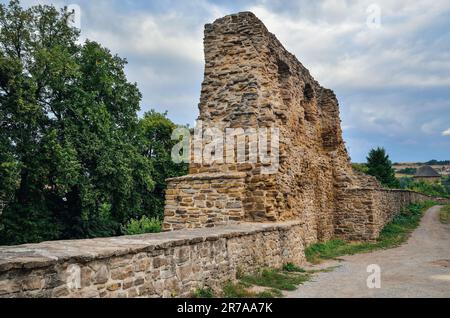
[
  {"x": 156, "y": 132},
  {"x": 71, "y": 158},
  {"x": 380, "y": 166}
]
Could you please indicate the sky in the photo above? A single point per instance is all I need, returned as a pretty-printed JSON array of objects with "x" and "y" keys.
[{"x": 388, "y": 61}]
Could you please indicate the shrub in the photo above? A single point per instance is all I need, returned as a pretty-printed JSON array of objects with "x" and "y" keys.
[
  {"x": 361, "y": 167},
  {"x": 142, "y": 226},
  {"x": 445, "y": 214},
  {"x": 204, "y": 293},
  {"x": 433, "y": 189},
  {"x": 289, "y": 267}
]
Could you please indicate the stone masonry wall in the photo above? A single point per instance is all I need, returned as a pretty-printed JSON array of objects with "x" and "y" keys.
[
  {"x": 362, "y": 213},
  {"x": 251, "y": 82},
  {"x": 172, "y": 264},
  {"x": 204, "y": 200}
]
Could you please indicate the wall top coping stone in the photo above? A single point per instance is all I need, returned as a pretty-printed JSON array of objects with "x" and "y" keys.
[
  {"x": 386, "y": 190},
  {"x": 209, "y": 176},
  {"x": 31, "y": 256}
]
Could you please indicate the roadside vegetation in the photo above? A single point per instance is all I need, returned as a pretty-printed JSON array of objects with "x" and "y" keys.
[
  {"x": 394, "y": 234},
  {"x": 266, "y": 283},
  {"x": 435, "y": 189},
  {"x": 445, "y": 214},
  {"x": 380, "y": 166}
]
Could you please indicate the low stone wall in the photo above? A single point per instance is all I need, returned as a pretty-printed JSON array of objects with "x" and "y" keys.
[
  {"x": 204, "y": 200},
  {"x": 170, "y": 264},
  {"x": 363, "y": 212}
]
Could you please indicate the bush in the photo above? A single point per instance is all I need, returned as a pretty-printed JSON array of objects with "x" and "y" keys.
[
  {"x": 433, "y": 189},
  {"x": 142, "y": 226},
  {"x": 361, "y": 167},
  {"x": 203, "y": 293},
  {"x": 289, "y": 267},
  {"x": 445, "y": 214}
]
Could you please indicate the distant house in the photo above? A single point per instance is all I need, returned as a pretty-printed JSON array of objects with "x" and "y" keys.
[{"x": 428, "y": 174}]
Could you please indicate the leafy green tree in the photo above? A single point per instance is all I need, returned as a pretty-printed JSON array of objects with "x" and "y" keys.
[
  {"x": 156, "y": 130},
  {"x": 72, "y": 162},
  {"x": 380, "y": 166},
  {"x": 410, "y": 171}
]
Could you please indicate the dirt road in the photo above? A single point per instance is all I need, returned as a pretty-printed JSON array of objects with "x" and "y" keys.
[{"x": 419, "y": 268}]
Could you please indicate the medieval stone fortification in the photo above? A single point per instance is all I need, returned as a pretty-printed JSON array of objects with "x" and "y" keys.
[{"x": 250, "y": 81}]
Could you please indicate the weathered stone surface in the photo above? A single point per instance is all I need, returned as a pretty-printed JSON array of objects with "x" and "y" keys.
[
  {"x": 206, "y": 257},
  {"x": 251, "y": 81}
]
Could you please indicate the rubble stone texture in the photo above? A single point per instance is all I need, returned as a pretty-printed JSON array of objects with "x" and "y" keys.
[
  {"x": 171, "y": 264},
  {"x": 250, "y": 81}
]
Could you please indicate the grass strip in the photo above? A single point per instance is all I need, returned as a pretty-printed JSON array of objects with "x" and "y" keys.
[{"x": 394, "y": 234}]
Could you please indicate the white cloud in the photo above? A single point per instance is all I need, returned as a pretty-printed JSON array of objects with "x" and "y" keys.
[
  {"x": 341, "y": 51},
  {"x": 391, "y": 82}
]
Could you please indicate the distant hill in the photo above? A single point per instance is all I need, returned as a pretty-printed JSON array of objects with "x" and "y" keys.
[
  {"x": 408, "y": 169},
  {"x": 437, "y": 162}
]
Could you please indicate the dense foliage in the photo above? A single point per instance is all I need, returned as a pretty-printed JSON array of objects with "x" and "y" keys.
[
  {"x": 429, "y": 188},
  {"x": 380, "y": 166},
  {"x": 75, "y": 160}
]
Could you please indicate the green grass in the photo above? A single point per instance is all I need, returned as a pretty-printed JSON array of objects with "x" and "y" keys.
[
  {"x": 393, "y": 234},
  {"x": 238, "y": 290},
  {"x": 242, "y": 290},
  {"x": 204, "y": 293},
  {"x": 272, "y": 281},
  {"x": 445, "y": 214},
  {"x": 276, "y": 279},
  {"x": 291, "y": 268}
]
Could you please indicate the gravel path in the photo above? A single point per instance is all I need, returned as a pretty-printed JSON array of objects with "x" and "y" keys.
[{"x": 419, "y": 268}]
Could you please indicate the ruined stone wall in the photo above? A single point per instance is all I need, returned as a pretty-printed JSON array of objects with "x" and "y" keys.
[
  {"x": 204, "y": 200},
  {"x": 362, "y": 213},
  {"x": 172, "y": 264},
  {"x": 252, "y": 81}
]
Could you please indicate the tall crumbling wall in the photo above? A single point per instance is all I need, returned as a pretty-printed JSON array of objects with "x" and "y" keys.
[{"x": 252, "y": 82}]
